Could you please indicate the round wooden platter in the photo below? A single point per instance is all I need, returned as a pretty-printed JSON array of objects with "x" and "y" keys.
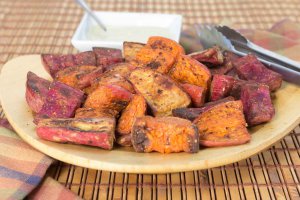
[{"x": 12, "y": 94}]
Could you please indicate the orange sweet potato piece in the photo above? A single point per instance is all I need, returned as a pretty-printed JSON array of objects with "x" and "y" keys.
[
  {"x": 95, "y": 113},
  {"x": 123, "y": 69},
  {"x": 156, "y": 59},
  {"x": 165, "y": 135},
  {"x": 161, "y": 93},
  {"x": 108, "y": 97},
  {"x": 158, "y": 42},
  {"x": 136, "y": 108},
  {"x": 223, "y": 125},
  {"x": 130, "y": 50},
  {"x": 188, "y": 70},
  {"x": 78, "y": 77}
]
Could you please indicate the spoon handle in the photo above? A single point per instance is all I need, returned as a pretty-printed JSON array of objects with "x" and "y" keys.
[{"x": 84, "y": 5}]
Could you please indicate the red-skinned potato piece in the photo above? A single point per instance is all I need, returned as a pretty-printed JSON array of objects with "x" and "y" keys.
[
  {"x": 99, "y": 132},
  {"x": 61, "y": 102},
  {"x": 164, "y": 135},
  {"x": 250, "y": 68},
  {"x": 107, "y": 56},
  {"x": 221, "y": 86},
  {"x": 78, "y": 77},
  {"x": 158, "y": 42},
  {"x": 137, "y": 107},
  {"x": 36, "y": 91},
  {"x": 155, "y": 59},
  {"x": 189, "y": 70},
  {"x": 257, "y": 103},
  {"x": 223, "y": 125},
  {"x": 212, "y": 55},
  {"x": 108, "y": 97},
  {"x": 161, "y": 93},
  {"x": 130, "y": 50},
  {"x": 196, "y": 93},
  {"x": 193, "y": 113}
]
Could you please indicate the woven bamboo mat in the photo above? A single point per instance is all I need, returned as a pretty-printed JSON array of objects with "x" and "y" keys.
[{"x": 44, "y": 26}]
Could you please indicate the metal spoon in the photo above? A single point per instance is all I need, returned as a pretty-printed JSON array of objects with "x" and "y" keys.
[{"x": 84, "y": 5}]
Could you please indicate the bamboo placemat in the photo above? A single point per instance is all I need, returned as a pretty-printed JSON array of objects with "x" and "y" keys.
[{"x": 44, "y": 26}]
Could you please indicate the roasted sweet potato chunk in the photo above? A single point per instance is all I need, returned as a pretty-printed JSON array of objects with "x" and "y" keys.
[
  {"x": 188, "y": 70},
  {"x": 212, "y": 55},
  {"x": 108, "y": 97},
  {"x": 123, "y": 69},
  {"x": 258, "y": 107},
  {"x": 227, "y": 66},
  {"x": 193, "y": 113},
  {"x": 196, "y": 93},
  {"x": 99, "y": 132},
  {"x": 107, "y": 56},
  {"x": 221, "y": 86},
  {"x": 223, "y": 125},
  {"x": 54, "y": 62},
  {"x": 250, "y": 68},
  {"x": 85, "y": 58},
  {"x": 155, "y": 59},
  {"x": 95, "y": 113},
  {"x": 165, "y": 135},
  {"x": 137, "y": 107},
  {"x": 36, "y": 91},
  {"x": 78, "y": 77},
  {"x": 124, "y": 140},
  {"x": 61, "y": 102},
  {"x": 158, "y": 42},
  {"x": 130, "y": 50},
  {"x": 161, "y": 93}
]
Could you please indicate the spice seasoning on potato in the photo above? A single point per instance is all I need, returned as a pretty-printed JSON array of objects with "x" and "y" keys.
[
  {"x": 99, "y": 132},
  {"x": 95, "y": 113},
  {"x": 188, "y": 70},
  {"x": 158, "y": 42},
  {"x": 161, "y": 93},
  {"x": 223, "y": 125},
  {"x": 136, "y": 108},
  {"x": 155, "y": 59},
  {"x": 164, "y": 135},
  {"x": 108, "y": 97},
  {"x": 130, "y": 50}
]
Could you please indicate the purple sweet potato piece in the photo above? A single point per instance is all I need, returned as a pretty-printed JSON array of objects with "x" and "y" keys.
[
  {"x": 257, "y": 104},
  {"x": 54, "y": 62},
  {"x": 220, "y": 87},
  {"x": 196, "y": 93},
  {"x": 36, "y": 91},
  {"x": 250, "y": 68},
  {"x": 107, "y": 56},
  {"x": 85, "y": 58},
  {"x": 193, "y": 113},
  {"x": 61, "y": 102},
  {"x": 212, "y": 55},
  {"x": 99, "y": 132},
  {"x": 227, "y": 66}
]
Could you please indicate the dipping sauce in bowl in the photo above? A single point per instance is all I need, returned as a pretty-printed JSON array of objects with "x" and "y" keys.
[{"x": 134, "y": 27}]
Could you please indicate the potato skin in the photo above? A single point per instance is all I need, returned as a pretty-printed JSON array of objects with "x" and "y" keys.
[
  {"x": 196, "y": 93},
  {"x": 99, "y": 132},
  {"x": 137, "y": 107},
  {"x": 130, "y": 50},
  {"x": 188, "y": 70},
  {"x": 155, "y": 59},
  {"x": 108, "y": 97},
  {"x": 223, "y": 125},
  {"x": 158, "y": 42},
  {"x": 212, "y": 55},
  {"x": 164, "y": 135},
  {"x": 161, "y": 93},
  {"x": 107, "y": 56},
  {"x": 95, "y": 113}
]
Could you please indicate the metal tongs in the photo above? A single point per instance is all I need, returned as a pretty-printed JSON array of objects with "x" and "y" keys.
[{"x": 233, "y": 41}]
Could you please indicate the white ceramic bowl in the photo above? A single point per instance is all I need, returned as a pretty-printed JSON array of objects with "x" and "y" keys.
[{"x": 84, "y": 40}]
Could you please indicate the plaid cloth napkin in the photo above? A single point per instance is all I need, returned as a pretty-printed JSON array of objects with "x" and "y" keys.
[{"x": 22, "y": 168}]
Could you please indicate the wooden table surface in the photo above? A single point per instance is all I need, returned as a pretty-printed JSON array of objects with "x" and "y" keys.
[{"x": 44, "y": 26}]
